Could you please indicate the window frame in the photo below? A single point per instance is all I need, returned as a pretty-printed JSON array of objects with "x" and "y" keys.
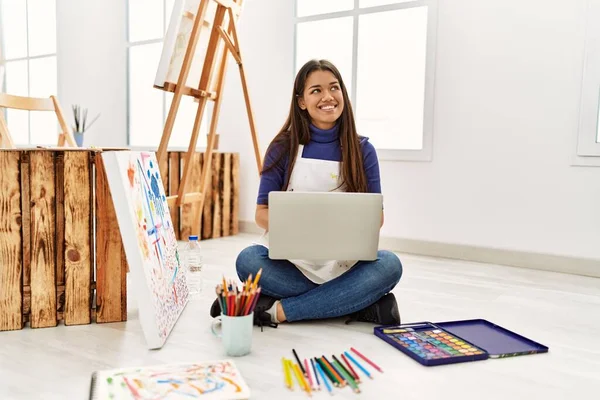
[
  {"x": 200, "y": 145},
  {"x": 426, "y": 153},
  {"x": 28, "y": 58},
  {"x": 588, "y": 143}
]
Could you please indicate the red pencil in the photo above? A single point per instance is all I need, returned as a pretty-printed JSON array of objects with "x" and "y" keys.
[
  {"x": 366, "y": 359},
  {"x": 352, "y": 371}
]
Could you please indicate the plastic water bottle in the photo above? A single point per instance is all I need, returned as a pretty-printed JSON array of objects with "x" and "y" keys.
[{"x": 194, "y": 263}]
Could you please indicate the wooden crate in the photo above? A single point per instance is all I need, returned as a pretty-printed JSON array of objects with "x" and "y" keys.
[
  {"x": 60, "y": 245},
  {"x": 221, "y": 204}
]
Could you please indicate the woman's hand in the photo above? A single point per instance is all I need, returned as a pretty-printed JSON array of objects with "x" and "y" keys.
[{"x": 262, "y": 216}]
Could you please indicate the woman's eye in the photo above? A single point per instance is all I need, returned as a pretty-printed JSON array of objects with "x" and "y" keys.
[{"x": 315, "y": 91}]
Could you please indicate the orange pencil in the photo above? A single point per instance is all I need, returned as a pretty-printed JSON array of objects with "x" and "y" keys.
[
  {"x": 302, "y": 382},
  {"x": 334, "y": 371}
]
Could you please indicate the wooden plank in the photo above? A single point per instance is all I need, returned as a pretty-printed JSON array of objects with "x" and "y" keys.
[
  {"x": 43, "y": 236},
  {"x": 187, "y": 210},
  {"x": 216, "y": 194},
  {"x": 188, "y": 198},
  {"x": 11, "y": 315},
  {"x": 111, "y": 264},
  {"x": 208, "y": 200},
  {"x": 77, "y": 232},
  {"x": 226, "y": 225},
  {"x": 59, "y": 165},
  {"x": 235, "y": 193},
  {"x": 164, "y": 173},
  {"x": 174, "y": 175},
  {"x": 26, "y": 229}
]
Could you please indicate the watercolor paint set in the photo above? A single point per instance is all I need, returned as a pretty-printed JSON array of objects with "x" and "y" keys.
[{"x": 457, "y": 341}]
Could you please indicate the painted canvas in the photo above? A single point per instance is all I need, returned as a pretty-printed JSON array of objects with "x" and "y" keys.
[
  {"x": 204, "y": 380},
  {"x": 157, "y": 275},
  {"x": 176, "y": 41}
]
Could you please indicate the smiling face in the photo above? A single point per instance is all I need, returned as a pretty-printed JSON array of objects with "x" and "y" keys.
[{"x": 322, "y": 98}]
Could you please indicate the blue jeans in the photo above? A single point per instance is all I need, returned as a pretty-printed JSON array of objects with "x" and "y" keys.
[{"x": 301, "y": 299}]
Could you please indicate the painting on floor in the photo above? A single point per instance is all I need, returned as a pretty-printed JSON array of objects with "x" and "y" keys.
[{"x": 158, "y": 278}]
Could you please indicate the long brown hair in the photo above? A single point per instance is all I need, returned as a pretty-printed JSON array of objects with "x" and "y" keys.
[{"x": 296, "y": 131}]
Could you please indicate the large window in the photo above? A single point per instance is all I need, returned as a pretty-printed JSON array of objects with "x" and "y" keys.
[
  {"x": 147, "y": 106},
  {"x": 384, "y": 50},
  {"x": 588, "y": 146},
  {"x": 28, "y": 55}
]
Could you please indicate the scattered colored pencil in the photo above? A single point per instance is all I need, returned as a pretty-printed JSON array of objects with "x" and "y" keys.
[
  {"x": 318, "y": 367},
  {"x": 348, "y": 378},
  {"x": 358, "y": 365},
  {"x": 302, "y": 382},
  {"x": 335, "y": 373},
  {"x": 312, "y": 362},
  {"x": 235, "y": 302},
  {"x": 356, "y": 377},
  {"x": 328, "y": 372},
  {"x": 286, "y": 373},
  {"x": 310, "y": 380},
  {"x": 299, "y": 362},
  {"x": 366, "y": 359},
  {"x": 341, "y": 366}
]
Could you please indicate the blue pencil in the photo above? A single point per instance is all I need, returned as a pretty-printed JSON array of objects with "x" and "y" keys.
[
  {"x": 323, "y": 377},
  {"x": 358, "y": 365},
  {"x": 312, "y": 362}
]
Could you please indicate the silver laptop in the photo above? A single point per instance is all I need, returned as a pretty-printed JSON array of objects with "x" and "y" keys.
[{"x": 324, "y": 225}]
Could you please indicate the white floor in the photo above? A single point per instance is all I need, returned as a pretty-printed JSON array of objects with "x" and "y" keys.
[{"x": 560, "y": 311}]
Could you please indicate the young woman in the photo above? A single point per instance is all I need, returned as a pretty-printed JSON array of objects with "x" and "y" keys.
[{"x": 318, "y": 149}]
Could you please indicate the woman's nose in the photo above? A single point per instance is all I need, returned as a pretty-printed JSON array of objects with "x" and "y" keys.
[{"x": 327, "y": 95}]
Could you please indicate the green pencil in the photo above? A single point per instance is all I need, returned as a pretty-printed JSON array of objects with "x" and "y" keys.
[{"x": 348, "y": 378}]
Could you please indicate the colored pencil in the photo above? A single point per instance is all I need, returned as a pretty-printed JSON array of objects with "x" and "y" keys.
[
  {"x": 286, "y": 373},
  {"x": 312, "y": 362},
  {"x": 318, "y": 367},
  {"x": 358, "y": 364},
  {"x": 356, "y": 377},
  {"x": 328, "y": 372},
  {"x": 257, "y": 278},
  {"x": 348, "y": 378},
  {"x": 342, "y": 366},
  {"x": 301, "y": 380},
  {"x": 299, "y": 362},
  {"x": 333, "y": 370},
  {"x": 366, "y": 359},
  {"x": 290, "y": 368},
  {"x": 310, "y": 380}
]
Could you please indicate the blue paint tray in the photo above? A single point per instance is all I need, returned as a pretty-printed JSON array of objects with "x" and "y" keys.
[{"x": 456, "y": 341}]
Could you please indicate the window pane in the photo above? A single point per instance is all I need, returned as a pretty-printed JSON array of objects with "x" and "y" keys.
[
  {"x": 16, "y": 78},
  {"x": 42, "y": 77},
  {"x": 337, "y": 49},
  {"x": 145, "y": 20},
  {"x": 44, "y": 128},
  {"x": 184, "y": 122},
  {"x": 391, "y": 84},
  {"x": 14, "y": 26},
  {"x": 18, "y": 125},
  {"x": 145, "y": 102},
  {"x": 313, "y": 7},
  {"x": 374, "y": 3},
  {"x": 42, "y": 27}
]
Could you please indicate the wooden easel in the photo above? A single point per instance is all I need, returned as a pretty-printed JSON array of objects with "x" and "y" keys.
[{"x": 223, "y": 32}]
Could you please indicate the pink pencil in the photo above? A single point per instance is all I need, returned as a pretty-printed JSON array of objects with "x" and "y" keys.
[
  {"x": 366, "y": 359},
  {"x": 310, "y": 381}
]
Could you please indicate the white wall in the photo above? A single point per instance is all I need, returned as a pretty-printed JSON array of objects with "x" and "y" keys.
[
  {"x": 507, "y": 95},
  {"x": 92, "y": 65}
]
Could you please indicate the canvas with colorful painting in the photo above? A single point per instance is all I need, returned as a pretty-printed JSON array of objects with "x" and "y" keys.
[
  {"x": 202, "y": 380},
  {"x": 158, "y": 278}
]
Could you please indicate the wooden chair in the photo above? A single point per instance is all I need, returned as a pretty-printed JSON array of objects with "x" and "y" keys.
[{"x": 33, "y": 104}]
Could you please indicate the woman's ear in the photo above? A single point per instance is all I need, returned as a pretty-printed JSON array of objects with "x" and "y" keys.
[{"x": 301, "y": 103}]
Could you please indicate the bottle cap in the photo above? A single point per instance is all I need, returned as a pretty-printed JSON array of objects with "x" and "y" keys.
[{"x": 193, "y": 237}]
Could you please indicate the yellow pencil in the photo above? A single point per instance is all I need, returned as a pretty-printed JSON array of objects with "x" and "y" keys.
[
  {"x": 286, "y": 373},
  {"x": 301, "y": 380},
  {"x": 255, "y": 284}
]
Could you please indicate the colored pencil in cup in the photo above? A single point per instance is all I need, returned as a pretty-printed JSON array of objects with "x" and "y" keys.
[
  {"x": 366, "y": 359},
  {"x": 367, "y": 373}
]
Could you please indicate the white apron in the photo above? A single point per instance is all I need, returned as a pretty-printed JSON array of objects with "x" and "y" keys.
[{"x": 312, "y": 175}]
